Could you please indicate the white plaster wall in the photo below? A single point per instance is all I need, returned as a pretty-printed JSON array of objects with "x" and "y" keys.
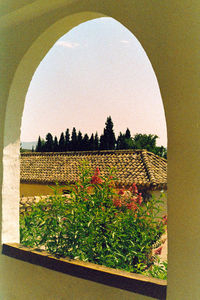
[{"x": 169, "y": 32}]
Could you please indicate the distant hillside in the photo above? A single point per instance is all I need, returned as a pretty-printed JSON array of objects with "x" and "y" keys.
[{"x": 28, "y": 145}]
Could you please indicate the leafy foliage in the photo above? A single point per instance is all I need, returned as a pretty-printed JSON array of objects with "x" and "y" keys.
[
  {"x": 157, "y": 270},
  {"x": 97, "y": 224}
]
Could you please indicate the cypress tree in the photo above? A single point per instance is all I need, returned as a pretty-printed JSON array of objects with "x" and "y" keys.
[
  {"x": 49, "y": 143},
  {"x": 86, "y": 142},
  {"x": 79, "y": 141},
  {"x": 96, "y": 141},
  {"x": 120, "y": 141},
  {"x": 91, "y": 143},
  {"x": 107, "y": 140},
  {"x": 39, "y": 145},
  {"x": 67, "y": 140},
  {"x": 74, "y": 140},
  {"x": 128, "y": 134},
  {"x": 61, "y": 144},
  {"x": 55, "y": 144},
  {"x": 102, "y": 145}
]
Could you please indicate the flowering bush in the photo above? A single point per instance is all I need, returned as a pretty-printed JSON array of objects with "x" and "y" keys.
[{"x": 98, "y": 223}]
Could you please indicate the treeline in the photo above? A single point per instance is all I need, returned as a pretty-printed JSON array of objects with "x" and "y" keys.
[{"x": 76, "y": 141}]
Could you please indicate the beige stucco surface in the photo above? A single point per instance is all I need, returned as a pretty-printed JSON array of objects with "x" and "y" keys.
[
  {"x": 24, "y": 281},
  {"x": 34, "y": 189},
  {"x": 169, "y": 32}
]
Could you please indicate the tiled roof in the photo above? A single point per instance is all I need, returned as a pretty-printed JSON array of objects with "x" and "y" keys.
[{"x": 139, "y": 166}]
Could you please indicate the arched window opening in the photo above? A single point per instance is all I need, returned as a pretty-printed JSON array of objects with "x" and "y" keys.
[{"x": 95, "y": 71}]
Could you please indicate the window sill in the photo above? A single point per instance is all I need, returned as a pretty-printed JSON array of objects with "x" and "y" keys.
[{"x": 136, "y": 283}]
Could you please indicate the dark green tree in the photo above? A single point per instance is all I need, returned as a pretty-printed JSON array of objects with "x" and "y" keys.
[
  {"x": 96, "y": 141},
  {"x": 128, "y": 141},
  {"x": 145, "y": 141},
  {"x": 85, "y": 143},
  {"x": 67, "y": 140},
  {"x": 39, "y": 145},
  {"x": 120, "y": 141},
  {"x": 92, "y": 142},
  {"x": 102, "y": 144},
  {"x": 128, "y": 134},
  {"x": 107, "y": 140},
  {"x": 61, "y": 144},
  {"x": 74, "y": 140},
  {"x": 49, "y": 143},
  {"x": 79, "y": 141},
  {"x": 161, "y": 151},
  {"x": 55, "y": 145}
]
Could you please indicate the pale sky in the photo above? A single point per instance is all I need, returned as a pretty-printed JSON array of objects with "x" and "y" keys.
[{"x": 97, "y": 69}]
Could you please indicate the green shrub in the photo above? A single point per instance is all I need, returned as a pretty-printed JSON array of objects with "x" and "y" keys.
[
  {"x": 97, "y": 224},
  {"x": 157, "y": 270}
]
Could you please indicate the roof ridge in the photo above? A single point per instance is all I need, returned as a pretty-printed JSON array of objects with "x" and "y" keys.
[
  {"x": 148, "y": 167},
  {"x": 91, "y": 152}
]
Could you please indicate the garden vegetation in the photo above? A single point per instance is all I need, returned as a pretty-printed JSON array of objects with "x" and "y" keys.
[{"x": 97, "y": 223}]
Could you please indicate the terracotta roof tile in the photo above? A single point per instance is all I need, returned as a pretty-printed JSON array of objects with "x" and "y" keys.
[{"x": 139, "y": 166}]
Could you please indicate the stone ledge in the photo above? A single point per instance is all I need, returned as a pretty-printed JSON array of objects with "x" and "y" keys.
[{"x": 136, "y": 283}]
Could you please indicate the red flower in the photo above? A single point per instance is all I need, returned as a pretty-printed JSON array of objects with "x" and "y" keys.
[
  {"x": 97, "y": 172},
  {"x": 134, "y": 189},
  {"x": 164, "y": 220},
  {"x": 121, "y": 192},
  {"x": 96, "y": 180},
  {"x": 89, "y": 188},
  {"x": 139, "y": 199},
  {"x": 158, "y": 251},
  {"x": 132, "y": 206},
  {"x": 134, "y": 199},
  {"x": 117, "y": 202}
]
